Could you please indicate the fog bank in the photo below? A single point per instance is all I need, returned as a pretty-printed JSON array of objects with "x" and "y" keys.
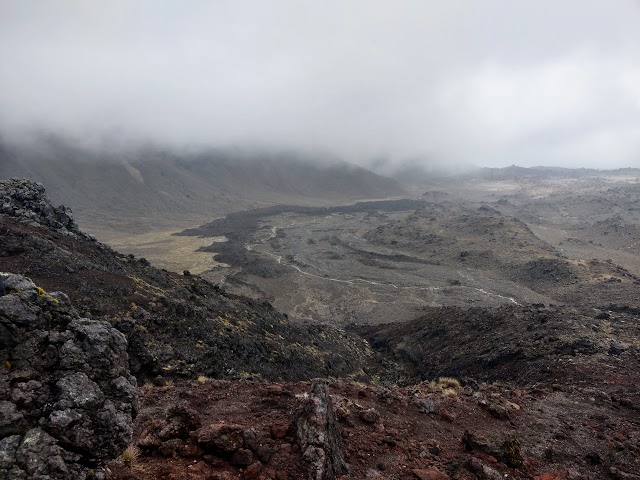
[{"x": 490, "y": 83}]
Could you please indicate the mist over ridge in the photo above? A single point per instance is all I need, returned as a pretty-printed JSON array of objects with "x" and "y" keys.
[{"x": 491, "y": 84}]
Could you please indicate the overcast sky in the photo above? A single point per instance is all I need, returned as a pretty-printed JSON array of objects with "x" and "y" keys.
[{"x": 490, "y": 82}]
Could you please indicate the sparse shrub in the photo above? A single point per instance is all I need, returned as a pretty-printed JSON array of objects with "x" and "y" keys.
[
  {"x": 130, "y": 457},
  {"x": 513, "y": 454},
  {"x": 448, "y": 382},
  {"x": 132, "y": 308}
]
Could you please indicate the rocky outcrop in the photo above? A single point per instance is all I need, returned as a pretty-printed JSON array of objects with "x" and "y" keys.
[
  {"x": 27, "y": 201},
  {"x": 67, "y": 398},
  {"x": 520, "y": 343},
  {"x": 318, "y": 433},
  {"x": 285, "y": 433}
]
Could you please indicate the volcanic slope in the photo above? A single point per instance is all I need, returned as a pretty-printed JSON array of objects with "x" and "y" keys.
[{"x": 177, "y": 326}]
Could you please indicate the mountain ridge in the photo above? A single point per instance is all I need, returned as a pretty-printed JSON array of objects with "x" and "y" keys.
[{"x": 149, "y": 187}]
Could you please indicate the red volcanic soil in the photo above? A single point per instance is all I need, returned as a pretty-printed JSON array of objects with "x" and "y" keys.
[{"x": 246, "y": 429}]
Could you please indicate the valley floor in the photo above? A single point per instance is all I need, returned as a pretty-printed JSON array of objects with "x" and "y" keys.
[{"x": 473, "y": 244}]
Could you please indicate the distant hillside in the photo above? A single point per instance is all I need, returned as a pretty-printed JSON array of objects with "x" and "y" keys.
[
  {"x": 149, "y": 187},
  {"x": 416, "y": 172},
  {"x": 541, "y": 172}
]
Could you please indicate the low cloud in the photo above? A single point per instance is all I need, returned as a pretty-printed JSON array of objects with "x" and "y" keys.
[
  {"x": 458, "y": 82},
  {"x": 580, "y": 110}
]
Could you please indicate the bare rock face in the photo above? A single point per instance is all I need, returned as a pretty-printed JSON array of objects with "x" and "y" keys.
[
  {"x": 67, "y": 398},
  {"x": 318, "y": 434},
  {"x": 28, "y": 201}
]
